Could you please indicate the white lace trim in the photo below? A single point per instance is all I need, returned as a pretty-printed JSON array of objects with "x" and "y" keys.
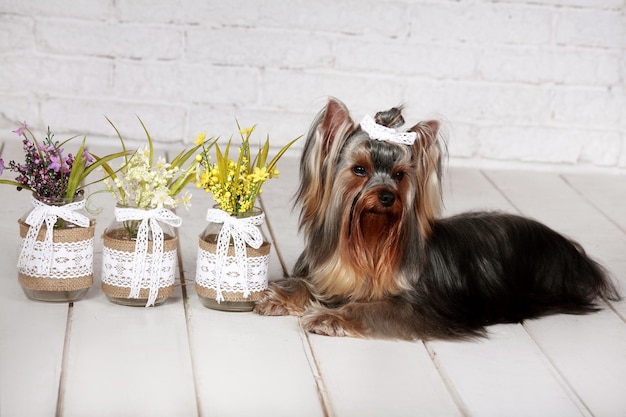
[
  {"x": 231, "y": 278},
  {"x": 149, "y": 223},
  {"x": 65, "y": 260},
  {"x": 241, "y": 231},
  {"x": 40, "y": 214},
  {"x": 388, "y": 134},
  {"x": 118, "y": 269}
]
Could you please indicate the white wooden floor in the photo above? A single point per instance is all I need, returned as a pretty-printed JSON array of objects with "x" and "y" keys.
[{"x": 94, "y": 358}]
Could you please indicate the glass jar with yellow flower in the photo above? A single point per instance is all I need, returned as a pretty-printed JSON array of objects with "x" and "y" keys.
[
  {"x": 140, "y": 248},
  {"x": 233, "y": 254}
]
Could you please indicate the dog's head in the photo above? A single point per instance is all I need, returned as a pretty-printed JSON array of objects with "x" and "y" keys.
[{"x": 366, "y": 180}]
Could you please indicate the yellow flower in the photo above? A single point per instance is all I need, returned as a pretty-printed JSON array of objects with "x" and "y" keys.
[
  {"x": 200, "y": 139},
  {"x": 259, "y": 174},
  {"x": 247, "y": 131},
  {"x": 205, "y": 177},
  {"x": 236, "y": 182}
]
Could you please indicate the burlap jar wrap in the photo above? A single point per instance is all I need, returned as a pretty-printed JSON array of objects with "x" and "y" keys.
[
  {"x": 72, "y": 261},
  {"x": 256, "y": 276},
  {"x": 117, "y": 271}
]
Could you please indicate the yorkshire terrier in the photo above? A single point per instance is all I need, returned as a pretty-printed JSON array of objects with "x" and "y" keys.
[{"x": 379, "y": 263}]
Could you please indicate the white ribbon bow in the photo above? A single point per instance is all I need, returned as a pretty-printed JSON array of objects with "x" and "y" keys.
[
  {"x": 149, "y": 223},
  {"x": 384, "y": 133},
  {"x": 242, "y": 231},
  {"x": 49, "y": 214}
]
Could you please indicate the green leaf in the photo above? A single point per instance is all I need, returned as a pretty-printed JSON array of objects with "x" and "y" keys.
[
  {"x": 263, "y": 152},
  {"x": 14, "y": 183},
  {"x": 183, "y": 180},
  {"x": 150, "y": 145},
  {"x": 183, "y": 156},
  {"x": 67, "y": 140},
  {"x": 280, "y": 153},
  {"x": 76, "y": 174},
  {"x": 103, "y": 161},
  {"x": 120, "y": 138}
]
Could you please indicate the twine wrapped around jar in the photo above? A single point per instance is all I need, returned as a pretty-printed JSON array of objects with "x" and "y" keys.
[
  {"x": 55, "y": 262},
  {"x": 232, "y": 262},
  {"x": 142, "y": 268}
]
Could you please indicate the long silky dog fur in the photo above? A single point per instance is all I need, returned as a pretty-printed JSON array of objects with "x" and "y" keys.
[{"x": 379, "y": 262}]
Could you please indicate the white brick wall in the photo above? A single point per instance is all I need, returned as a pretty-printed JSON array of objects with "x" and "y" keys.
[{"x": 518, "y": 81}]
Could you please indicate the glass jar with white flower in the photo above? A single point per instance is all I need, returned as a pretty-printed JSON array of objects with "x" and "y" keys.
[{"x": 140, "y": 246}]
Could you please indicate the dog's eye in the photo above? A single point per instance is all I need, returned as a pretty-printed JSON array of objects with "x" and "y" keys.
[
  {"x": 359, "y": 171},
  {"x": 398, "y": 175}
]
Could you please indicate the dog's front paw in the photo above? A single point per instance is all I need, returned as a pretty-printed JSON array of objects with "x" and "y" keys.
[
  {"x": 271, "y": 305},
  {"x": 286, "y": 297},
  {"x": 328, "y": 322}
]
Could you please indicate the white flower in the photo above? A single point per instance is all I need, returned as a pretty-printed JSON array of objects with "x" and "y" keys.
[{"x": 161, "y": 198}]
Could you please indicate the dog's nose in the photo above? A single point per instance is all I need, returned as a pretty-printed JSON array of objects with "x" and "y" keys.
[{"x": 386, "y": 198}]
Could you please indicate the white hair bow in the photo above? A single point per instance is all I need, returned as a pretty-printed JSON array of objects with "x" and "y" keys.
[{"x": 387, "y": 134}]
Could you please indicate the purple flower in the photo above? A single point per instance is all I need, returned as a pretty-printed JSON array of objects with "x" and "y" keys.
[
  {"x": 1, "y": 166},
  {"x": 48, "y": 149},
  {"x": 21, "y": 129},
  {"x": 87, "y": 156},
  {"x": 66, "y": 164},
  {"x": 55, "y": 164}
]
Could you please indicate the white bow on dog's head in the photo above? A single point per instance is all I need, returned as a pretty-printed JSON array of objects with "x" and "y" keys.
[{"x": 388, "y": 134}]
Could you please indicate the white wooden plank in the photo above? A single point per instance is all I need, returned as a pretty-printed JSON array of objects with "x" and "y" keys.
[
  {"x": 381, "y": 378},
  {"x": 587, "y": 350},
  {"x": 603, "y": 191},
  {"x": 32, "y": 333},
  {"x": 128, "y": 361},
  {"x": 504, "y": 375},
  {"x": 466, "y": 189},
  {"x": 249, "y": 365},
  {"x": 245, "y": 364},
  {"x": 31, "y": 352}
]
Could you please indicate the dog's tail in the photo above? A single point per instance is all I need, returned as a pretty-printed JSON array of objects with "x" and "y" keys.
[
  {"x": 558, "y": 275},
  {"x": 578, "y": 287}
]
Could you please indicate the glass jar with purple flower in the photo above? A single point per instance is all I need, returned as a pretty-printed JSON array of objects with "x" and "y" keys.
[{"x": 56, "y": 235}]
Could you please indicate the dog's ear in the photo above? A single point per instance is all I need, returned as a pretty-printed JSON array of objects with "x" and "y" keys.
[
  {"x": 325, "y": 139},
  {"x": 334, "y": 127},
  {"x": 428, "y": 155},
  {"x": 427, "y": 131}
]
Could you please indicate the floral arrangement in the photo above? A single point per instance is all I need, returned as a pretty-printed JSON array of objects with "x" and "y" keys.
[
  {"x": 146, "y": 182},
  {"x": 236, "y": 184},
  {"x": 143, "y": 183},
  {"x": 48, "y": 172}
]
